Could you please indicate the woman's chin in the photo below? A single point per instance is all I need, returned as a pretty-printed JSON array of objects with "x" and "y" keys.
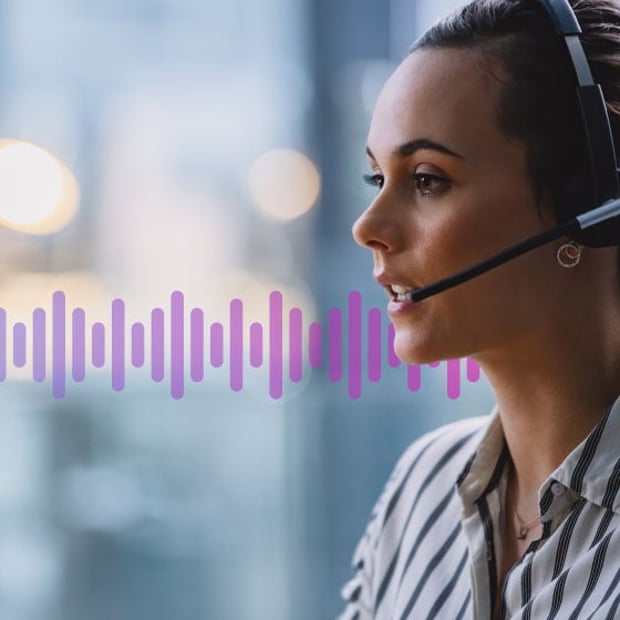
[{"x": 410, "y": 351}]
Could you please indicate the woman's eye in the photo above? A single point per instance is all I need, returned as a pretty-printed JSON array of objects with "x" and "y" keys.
[
  {"x": 430, "y": 184},
  {"x": 375, "y": 180}
]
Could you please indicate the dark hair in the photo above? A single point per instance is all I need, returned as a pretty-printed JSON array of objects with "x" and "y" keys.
[{"x": 537, "y": 102}]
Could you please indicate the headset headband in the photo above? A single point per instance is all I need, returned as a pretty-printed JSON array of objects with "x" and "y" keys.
[{"x": 597, "y": 128}]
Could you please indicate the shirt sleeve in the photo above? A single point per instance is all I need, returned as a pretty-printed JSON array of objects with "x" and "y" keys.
[{"x": 359, "y": 592}]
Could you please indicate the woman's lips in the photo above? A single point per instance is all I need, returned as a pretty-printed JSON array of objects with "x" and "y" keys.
[
  {"x": 399, "y": 308},
  {"x": 401, "y": 293}
]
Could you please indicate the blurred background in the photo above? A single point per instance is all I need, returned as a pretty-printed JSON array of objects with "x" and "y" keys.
[{"x": 214, "y": 148}]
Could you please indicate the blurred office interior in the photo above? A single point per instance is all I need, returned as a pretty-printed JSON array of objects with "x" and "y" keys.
[{"x": 217, "y": 149}]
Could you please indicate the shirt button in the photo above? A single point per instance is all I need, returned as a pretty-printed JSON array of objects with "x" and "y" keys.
[{"x": 557, "y": 489}]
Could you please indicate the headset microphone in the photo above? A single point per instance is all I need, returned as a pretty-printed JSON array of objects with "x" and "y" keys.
[
  {"x": 597, "y": 185},
  {"x": 578, "y": 224}
]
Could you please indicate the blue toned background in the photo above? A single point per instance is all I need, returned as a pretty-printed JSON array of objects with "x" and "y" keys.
[{"x": 220, "y": 505}]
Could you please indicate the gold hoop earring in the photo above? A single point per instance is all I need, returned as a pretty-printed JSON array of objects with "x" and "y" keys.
[{"x": 569, "y": 254}]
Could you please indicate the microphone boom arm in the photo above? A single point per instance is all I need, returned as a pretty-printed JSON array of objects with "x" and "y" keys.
[{"x": 609, "y": 209}]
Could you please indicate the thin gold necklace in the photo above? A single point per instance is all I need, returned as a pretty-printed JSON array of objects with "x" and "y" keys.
[{"x": 524, "y": 527}]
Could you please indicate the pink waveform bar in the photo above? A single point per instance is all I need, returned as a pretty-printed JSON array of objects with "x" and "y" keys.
[
  {"x": 177, "y": 352},
  {"x": 118, "y": 344},
  {"x": 157, "y": 345},
  {"x": 236, "y": 345},
  {"x": 374, "y": 344},
  {"x": 473, "y": 370},
  {"x": 355, "y": 345},
  {"x": 334, "y": 344},
  {"x": 197, "y": 344},
  {"x": 58, "y": 344},
  {"x": 98, "y": 339},
  {"x": 78, "y": 361},
  {"x": 19, "y": 345},
  {"x": 256, "y": 345},
  {"x": 414, "y": 377},
  {"x": 454, "y": 378},
  {"x": 137, "y": 345},
  {"x": 38, "y": 345},
  {"x": 216, "y": 333},
  {"x": 295, "y": 354},
  {"x": 275, "y": 344}
]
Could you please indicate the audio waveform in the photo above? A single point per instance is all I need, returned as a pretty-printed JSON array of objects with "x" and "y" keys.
[{"x": 354, "y": 345}]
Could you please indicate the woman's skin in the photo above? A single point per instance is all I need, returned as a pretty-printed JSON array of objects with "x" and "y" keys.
[{"x": 547, "y": 338}]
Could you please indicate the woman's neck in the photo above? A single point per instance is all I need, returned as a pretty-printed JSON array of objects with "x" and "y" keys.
[{"x": 551, "y": 395}]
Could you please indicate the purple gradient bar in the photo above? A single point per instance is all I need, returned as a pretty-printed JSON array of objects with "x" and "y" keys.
[
  {"x": 275, "y": 344},
  {"x": 177, "y": 352},
  {"x": 118, "y": 344},
  {"x": 2, "y": 344},
  {"x": 256, "y": 345},
  {"x": 374, "y": 344},
  {"x": 78, "y": 353},
  {"x": 295, "y": 344},
  {"x": 315, "y": 339},
  {"x": 236, "y": 345},
  {"x": 58, "y": 345},
  {"x": 98, "y": 334},
  {"x": 157, "y": 345},
  {"x": 414, "y": 377},
  {"x": 19, "y": 345},
  {"x": 334, "y": 345},
  {"x": 355, "y": 344},
  {"x": 454, "y": 378},
  {"x": 393, "y": 361},
  {"x": 38, "y": 345},
  {"x": 137, "y": 345},
  {"x": 473, "y": 370},
  {"x": 216, "y": 341},
  {"x": 197, "y": 344}
]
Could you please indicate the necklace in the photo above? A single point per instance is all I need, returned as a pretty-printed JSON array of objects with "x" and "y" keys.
[{"x": 524, "y": 527}]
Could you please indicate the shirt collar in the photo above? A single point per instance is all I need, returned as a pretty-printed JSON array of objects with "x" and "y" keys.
[
  {"x": 591, "y": 470},
  {"x": 484, "y": 465}
]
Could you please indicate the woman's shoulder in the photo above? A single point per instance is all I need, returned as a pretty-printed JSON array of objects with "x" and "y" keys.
[
  {"x": 430, "y": 464},
  {"x": 449, "y": 446}
]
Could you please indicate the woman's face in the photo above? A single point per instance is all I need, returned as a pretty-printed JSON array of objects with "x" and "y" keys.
[{"x": 453, "y": 189}]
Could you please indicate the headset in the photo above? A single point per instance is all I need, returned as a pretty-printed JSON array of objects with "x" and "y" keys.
[{"x": 593, "y": 198}]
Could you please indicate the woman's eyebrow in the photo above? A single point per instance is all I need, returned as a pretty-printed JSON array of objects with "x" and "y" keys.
[{"x": 409, "y": 148}]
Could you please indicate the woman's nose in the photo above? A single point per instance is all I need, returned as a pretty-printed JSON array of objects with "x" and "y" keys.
[{"x": 378, "y": 228}]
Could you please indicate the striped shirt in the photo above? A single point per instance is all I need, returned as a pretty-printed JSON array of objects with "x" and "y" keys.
[{"x": 432, "y": 548}]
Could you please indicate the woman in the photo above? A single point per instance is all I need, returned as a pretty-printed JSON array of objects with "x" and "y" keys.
[{"x": 472, "y": 144}]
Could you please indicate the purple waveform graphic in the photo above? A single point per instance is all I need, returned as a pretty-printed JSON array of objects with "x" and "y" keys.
[{"x": 355, "y": 344}]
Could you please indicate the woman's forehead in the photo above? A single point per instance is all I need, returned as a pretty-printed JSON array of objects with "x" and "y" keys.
[{"x": 443, "y": 94}]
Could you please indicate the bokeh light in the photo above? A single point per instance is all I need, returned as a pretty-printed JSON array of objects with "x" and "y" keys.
[
  {"x": 284, "y": 184},
  {"x": 38, "y": 193}
]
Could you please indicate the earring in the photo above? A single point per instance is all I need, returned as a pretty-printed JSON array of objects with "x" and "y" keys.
[{"x": 569, "y": 254}]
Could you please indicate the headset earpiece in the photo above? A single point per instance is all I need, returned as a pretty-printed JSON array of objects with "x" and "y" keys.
[{"x": 600, "y": 182}]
